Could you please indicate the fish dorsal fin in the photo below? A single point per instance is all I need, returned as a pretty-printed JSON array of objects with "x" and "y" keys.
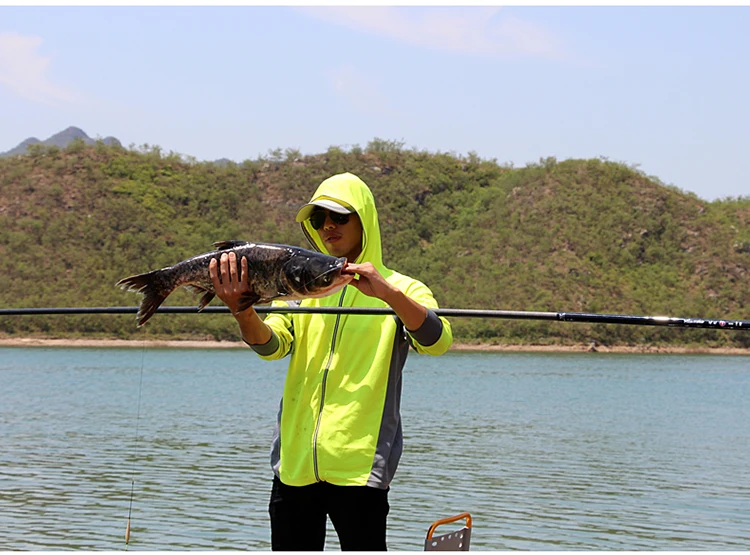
[{"x": 225, "y": 245}]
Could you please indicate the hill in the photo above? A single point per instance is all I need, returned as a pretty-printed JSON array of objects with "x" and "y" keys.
[
  {"x": 60, "y": 140},
  {"x": 575, "y": 236}
]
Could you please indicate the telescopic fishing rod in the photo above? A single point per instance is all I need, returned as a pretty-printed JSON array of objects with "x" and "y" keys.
[{"x": 583, "y": 317}]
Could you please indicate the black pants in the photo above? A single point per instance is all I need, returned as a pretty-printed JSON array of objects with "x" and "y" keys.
[{"x": 298, "y": 516}]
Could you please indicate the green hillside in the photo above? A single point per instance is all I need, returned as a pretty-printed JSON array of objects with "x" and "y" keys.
[{"x": 579, "y": 235}]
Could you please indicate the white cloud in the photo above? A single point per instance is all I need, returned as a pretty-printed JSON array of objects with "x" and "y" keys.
[
  {"x": 26, "y": 72},
  {"x": 470, "y": 30}
]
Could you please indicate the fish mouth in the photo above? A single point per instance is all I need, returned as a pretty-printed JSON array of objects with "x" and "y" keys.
[
  {"x": 340, "y": 265},
  {"x": 335, "y": 283}
]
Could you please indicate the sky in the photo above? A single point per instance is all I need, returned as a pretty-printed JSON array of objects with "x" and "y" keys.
[{"x": 663, "y": 89}]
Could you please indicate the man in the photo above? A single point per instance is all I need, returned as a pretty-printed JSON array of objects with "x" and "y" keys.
[{"x": 338, "y": 438}]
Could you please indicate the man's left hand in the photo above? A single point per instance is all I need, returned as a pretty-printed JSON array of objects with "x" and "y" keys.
[{"x": 370, "y": 282}]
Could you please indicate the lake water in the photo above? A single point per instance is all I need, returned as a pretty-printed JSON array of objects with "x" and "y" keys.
[{"x": 546, "y": 451}]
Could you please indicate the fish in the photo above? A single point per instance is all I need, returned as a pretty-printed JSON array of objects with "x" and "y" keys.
[{"x": 273, "y": 272}]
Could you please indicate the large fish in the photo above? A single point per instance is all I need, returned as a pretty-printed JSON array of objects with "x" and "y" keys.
[{"x": 274, "y": 272}]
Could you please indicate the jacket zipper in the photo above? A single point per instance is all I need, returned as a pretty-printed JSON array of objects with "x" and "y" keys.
[{"x": 323, "y": 392}]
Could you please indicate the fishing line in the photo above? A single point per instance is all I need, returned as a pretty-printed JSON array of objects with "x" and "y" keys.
[{"x": 135, "y": 450}]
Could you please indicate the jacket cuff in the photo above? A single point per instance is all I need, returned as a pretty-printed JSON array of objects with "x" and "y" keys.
[
  {"x": 267, "y": 348},
  {"x": 429, "y": 332}
]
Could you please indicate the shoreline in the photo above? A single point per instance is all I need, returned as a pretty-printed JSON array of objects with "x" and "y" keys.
[{"x": 457, "y": 347}]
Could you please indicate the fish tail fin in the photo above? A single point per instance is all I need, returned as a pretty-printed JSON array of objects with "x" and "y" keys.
[{"x": 152, "y": 295}]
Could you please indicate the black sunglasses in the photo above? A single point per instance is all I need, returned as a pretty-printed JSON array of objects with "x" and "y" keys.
[{"x": 318, "y": 218}]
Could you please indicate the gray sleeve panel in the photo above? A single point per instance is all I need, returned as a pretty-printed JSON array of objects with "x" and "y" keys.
[
  {"x": 390, "y": 437},
  {"x": 276, "y": 444},
  {"x": 268, "y": 348},
  {"x": 429, "y": 332}
]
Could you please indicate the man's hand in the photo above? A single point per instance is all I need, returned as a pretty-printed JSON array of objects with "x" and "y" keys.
[
  {"x": 228, "y": 286},
  {"x": 372, "y": 283}
]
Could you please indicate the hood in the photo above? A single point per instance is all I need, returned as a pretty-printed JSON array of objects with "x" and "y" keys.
[{"x": 350, "y": 191}]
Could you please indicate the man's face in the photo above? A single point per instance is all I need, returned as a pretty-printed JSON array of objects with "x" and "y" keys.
[{"x": 341, "y": 239}]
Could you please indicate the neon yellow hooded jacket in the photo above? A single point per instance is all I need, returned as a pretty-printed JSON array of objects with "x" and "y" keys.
[{"x": 339, "y": 420}]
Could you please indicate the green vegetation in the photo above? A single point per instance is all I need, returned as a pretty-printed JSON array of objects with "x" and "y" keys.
[{"x": 575, "y": 236}]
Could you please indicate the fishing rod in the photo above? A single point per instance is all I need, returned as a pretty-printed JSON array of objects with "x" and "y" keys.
[{"x": 582, "y": 317}]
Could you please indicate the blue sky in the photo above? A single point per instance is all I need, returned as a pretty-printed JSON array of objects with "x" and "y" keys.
[{"x": 665, "y": 89}]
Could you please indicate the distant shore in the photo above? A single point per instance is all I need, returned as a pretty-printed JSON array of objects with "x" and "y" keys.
[{"x": 463, "y": 347}]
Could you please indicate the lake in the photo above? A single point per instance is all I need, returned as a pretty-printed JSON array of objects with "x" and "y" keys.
[{"x": 586, "y": 451}]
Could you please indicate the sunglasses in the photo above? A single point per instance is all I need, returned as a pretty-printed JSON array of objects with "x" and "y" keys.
[{"x": 319, "y": 218}]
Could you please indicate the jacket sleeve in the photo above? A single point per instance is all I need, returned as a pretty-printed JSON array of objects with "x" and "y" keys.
[
  {"x": 282, "y": 339},
  {"x": 434, "y": 336}
]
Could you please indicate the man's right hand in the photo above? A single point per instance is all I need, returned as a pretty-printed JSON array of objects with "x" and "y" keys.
[
  {"x": 229, "y": 288},
  {"x": 227, "y": 284}
]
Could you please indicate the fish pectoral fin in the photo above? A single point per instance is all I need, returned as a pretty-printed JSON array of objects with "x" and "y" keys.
[
  {"x": 247, "y": 300},
  {"x": 205, "y": 299},
  {"x": 225, "y": 245}
]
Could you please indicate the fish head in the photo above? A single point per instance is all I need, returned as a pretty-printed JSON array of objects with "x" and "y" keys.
[{"x": 316, "y": 274}]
